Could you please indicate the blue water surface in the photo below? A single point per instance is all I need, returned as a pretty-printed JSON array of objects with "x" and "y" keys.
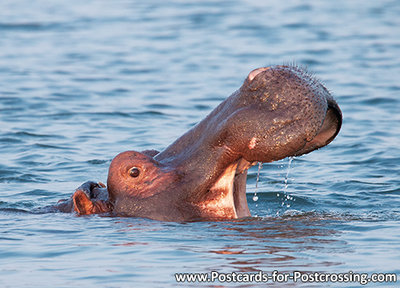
[{"x": 81, "y": 81}]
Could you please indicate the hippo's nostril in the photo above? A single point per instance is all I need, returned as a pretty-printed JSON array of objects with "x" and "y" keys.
[{"x": 255, "y": 72}]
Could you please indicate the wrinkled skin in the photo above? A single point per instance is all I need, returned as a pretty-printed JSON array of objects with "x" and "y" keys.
[{"x": 279, "y": 111}]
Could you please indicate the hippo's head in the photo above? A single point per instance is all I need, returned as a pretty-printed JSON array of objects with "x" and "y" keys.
[{"x": 278, "y": 112}]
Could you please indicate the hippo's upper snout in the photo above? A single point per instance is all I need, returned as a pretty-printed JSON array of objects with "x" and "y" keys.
[{"x": 282, "y": 111}]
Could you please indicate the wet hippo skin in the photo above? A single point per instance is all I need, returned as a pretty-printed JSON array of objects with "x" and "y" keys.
[{"x": 279, "y": 111}]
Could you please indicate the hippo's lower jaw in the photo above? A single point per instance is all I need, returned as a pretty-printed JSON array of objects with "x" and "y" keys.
[
  {"x": 278, "y": 112},
  {"x": 226, "y": 199}
]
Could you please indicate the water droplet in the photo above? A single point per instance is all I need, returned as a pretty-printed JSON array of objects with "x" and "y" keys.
[
  {"x": 286, "y": 196},
  {"x": 255, "y": 197},
  {"x": 258, "y": 173}
]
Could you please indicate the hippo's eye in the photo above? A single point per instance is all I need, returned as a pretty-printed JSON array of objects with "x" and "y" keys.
[{"x": 134, "y": 172}]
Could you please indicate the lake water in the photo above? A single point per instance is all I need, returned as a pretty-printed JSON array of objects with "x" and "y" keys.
[{"x": 81, "y": 81}]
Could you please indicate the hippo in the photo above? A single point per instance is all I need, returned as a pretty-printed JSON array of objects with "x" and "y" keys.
[{"x": 279, "y": 111}]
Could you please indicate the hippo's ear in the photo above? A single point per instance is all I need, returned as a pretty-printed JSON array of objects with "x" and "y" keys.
[{"x": 82, "y": 203}]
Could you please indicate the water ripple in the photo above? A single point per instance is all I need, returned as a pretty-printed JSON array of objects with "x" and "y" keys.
[{"x": 31, "y": 26}]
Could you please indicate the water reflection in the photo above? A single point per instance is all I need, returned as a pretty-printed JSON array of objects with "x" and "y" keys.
[
  {"x": 302, "y": 242},
  {"x": 264, "y": 243}
]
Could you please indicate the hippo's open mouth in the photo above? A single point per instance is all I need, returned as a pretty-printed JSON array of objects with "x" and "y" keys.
[
  {"x": 226, "y": 199},
  {"x": 278, "y": 112}
]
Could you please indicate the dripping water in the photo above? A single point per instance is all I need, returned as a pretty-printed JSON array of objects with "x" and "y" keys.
[
  {"x": 287, "y": 175},
  {"x": 286, "y": 197},
  {"x": 255, "y": 197}
]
